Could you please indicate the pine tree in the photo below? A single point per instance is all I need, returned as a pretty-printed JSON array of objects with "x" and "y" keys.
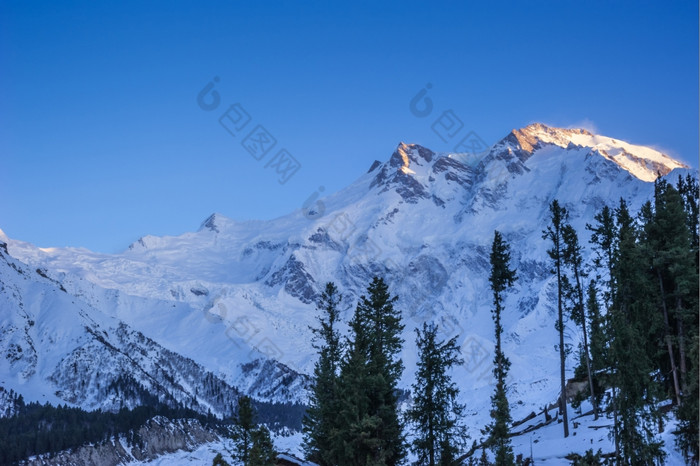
[
  {"x": 554, "y": 232},
  {"x": 573, "y": 258},
  {"x": 634, "y": 375},
  {"x": 483, "y": 459},
  {"x": 672, "y": 253},
  {"x": 688, "y": 438},
  {"x": 501, "y": 278},
  {"x": 690, "y": 192},
  {"x": 244, "y": 425},
  {"x": 435, "y": 414},
  {"x": 666, "y": 243},
  {"x": 598, "y": 346},
  {"x": 603, "y": 237},
  {"x": 262, "y": 451},
  {"x": 320, "y": 420},
  {"x": 369, "y": 430},
  {"x": 253, "y": 444},
  {"x": 689, "y": 412}
]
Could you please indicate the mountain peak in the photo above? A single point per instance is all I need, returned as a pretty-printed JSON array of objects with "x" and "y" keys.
[
  {"x": 405, "y": 154},
  {"x": 213, "y": 223},
  {"x": 529, "y": 136},
  {"x": 407, "y": 163},
  {"x": 642, "y": 162}
]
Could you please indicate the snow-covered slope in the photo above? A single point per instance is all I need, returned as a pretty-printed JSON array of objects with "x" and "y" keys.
[
  {"x": 58, "y": 347},
  {"x": 236, "y": 298}
]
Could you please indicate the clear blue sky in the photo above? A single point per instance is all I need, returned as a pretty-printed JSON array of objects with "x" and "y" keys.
[{"x": 102, "y": 140}]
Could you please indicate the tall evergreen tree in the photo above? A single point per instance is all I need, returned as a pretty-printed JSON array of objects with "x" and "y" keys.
[
  {"x": 655, "y": 245},
  {"x": 435, "y": 414},
  {"x": 597, "y": 326},
  {"x": 603, "y": 237},
  {"x": 634, "y": 375},
  {"x": 262, "y": 450},
  {"x": 573, "y": 258},
  {"x": 243, "y": 428},
  {"x": 604, "y": 240},
  {"x": 253, "y": 445},
  {"x": 554, "y": 232},
  {"x": 669, "y": 245},
  {"x": 689, "y": 190},
  {"x": 369, "y": 429},
  {"x": 320, "y": 420},
  {"x": 501, "y": 278},
  {"x": 689, "y": 412},
  {"x": 688, "y": 438}
]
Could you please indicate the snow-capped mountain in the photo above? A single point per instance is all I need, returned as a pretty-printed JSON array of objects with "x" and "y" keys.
[{"x": 228, "y": 308}]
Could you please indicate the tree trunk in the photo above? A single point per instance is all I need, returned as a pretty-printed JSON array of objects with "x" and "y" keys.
[
  {"x": 590, "y": 372},
  {"x": 616, "y": 426},
  {"x": 579, "y": 290},
  {"x": 681, "y": 347},
  {"x": 431, "y": 436},
  {"x": 562, "y": 353},
  {"x": 669, "y": 343}
]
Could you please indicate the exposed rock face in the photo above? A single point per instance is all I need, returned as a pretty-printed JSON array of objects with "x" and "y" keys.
[
  {"x": 297, "y": 281},
  {"x": 397, "y": 173},
  {"x": 158, "y": 436}
]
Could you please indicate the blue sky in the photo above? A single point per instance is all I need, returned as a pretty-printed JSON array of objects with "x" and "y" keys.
[{"x": 102, "y": 139}]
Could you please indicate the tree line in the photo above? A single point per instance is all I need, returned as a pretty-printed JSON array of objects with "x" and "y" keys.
[
  {"x": 637, "y": 308},
  {"x": 36, "y": 429},
  {"x": 353, "y": 416},
  {"x": 636, "y": 305}
]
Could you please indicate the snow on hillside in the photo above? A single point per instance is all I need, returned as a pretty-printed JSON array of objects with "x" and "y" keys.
[{"x": 237, "y": 298}]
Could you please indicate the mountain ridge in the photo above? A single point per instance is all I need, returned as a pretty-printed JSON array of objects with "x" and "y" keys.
[{"x": 237, "y": 298}]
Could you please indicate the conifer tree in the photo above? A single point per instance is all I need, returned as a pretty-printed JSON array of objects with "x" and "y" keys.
[
  {"x": 690, "y": 192},
  {"x": 244, "y": 425},
  {"x": 573, "y": 258},
  {"x": 369, "y": 429},
  {"x": 669, "y": 245},
  {"x": 603, "y": 237},
  {"x": 634, "y": 375},
  {"x": 253, "y": 444},
  {"x": 483, "y": 459},
  {"x": 597, "y": 325},
  {"x": 673, "y": 261},
  {"x": 262, "y": 451},
  {"x": 435, "y": 414},
  {"x": 501, "y": 278},
  {"x": 554, "y": 232},
  {"x": 320, "y": 420},
  {"x": 689, "y": 412}
]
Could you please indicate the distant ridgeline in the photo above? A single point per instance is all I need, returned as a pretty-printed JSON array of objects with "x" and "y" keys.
[{"x": 34, "y": 429}]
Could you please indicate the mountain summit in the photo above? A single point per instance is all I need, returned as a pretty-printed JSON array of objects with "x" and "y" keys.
[
  {"x": 643, "y": 162},
  {"x": 416, "y": 172}
]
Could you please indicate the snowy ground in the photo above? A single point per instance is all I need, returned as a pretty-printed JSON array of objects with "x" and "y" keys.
[{"x": 546, "y": 444}]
